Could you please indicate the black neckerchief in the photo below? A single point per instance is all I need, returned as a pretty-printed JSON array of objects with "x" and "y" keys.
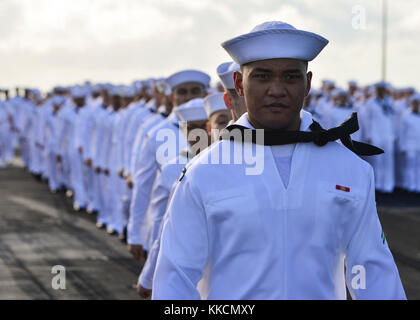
[{"x": 318, "y": 135}]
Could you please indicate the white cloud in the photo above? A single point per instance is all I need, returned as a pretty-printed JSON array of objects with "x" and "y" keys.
[
  {"x": 411, "y": 22},
  {"x": 286, "y": 13},
  {"x": 57, "y": 41},
  {"x": 80, "y": 24}
]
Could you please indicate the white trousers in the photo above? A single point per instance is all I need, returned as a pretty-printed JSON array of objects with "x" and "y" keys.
[
  {"x": 384, "y": 168},
  {"x": 412, "y": 171},
  {"x": 76, "y": 174}
]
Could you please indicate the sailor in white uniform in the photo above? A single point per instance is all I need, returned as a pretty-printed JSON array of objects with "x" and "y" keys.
[
  {"x": 4, "y": 133},
  {"x": 146, "y": 117},
  {"x": 43, "y": 110},
  {"x": 401, "y": 107},
  {"x": 10, "y": 139},
  {"x": 143, "y": 111},
  {"x": 24, "y": 122},
  {"x": 185, "y": 85},
  {"x": 309, "y": 105},
  {"x": 325, "y": 102},
  {"x": 193, "y": 116},
  {"x": 379, "y": 130},
  {"x": 75, "y": 150},
  {"x": 87, "y": 127},
  {"x": 132, "y": 159},
  {"x": 110, "y": 158},
  {"x": 234, "y": 103},
  {"x": 99, "y": 142},
  {"x": 286, "y": 231},
  {"x": 63, "y": 125},
  {"x": 218, "y": 114},
  {"x": 353, "y": 91},
  {"x": 340, "y": 111},
  {"x": 52, "y": 146},
  {"x": 409, "y": 145}
]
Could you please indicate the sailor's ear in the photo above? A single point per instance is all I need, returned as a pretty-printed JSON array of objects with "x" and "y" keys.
[
  {"x": 228, "y": 101},
  {"x": 308, "y": 82},
  {"x": 237, "y": 79}
]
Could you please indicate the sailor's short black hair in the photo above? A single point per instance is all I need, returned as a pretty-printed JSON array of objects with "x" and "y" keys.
[{"x": 306, "y": 63}]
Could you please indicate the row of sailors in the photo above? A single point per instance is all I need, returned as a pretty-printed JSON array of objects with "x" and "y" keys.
[
  {"x": 103, "y": 146},
  {"x": 103, "y": 143},
  {"x": 388, "y": 119},
  {"x": 392, "y": 126}
]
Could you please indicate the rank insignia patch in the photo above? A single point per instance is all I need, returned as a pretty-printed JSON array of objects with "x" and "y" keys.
[
  {"x": 341, "y": 188},
  {"x": 383, "y": 237},
  {"x": 184, "y": 171}
]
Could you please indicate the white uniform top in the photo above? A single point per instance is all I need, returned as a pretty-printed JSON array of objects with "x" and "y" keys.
[
  {"x": 114, "y": 153},
  {"x": 43, "y": 112},
  {"x": 84, "y": 128},
  {"x": 148, "y": 166},
  {"x": 106, "y": 140},
  {"x": 261, "y": 240},
  {"x": 3, "y": 116},
  {"x": 51, "y": 132},
  {"x": 336, "y": 115},
  {"x": 4, "y": 127},
  {"x": 132, "y": 166},
  {"x": 409, "y": 135},
  {"x": 125, "y": 117},
  {"x": 98, "y": 134},
  {"x": 161, "y": 192},
  {"x": 322, "y": 107},
  {"x": 19, "y": 116},
  {"x": 26, "y": 119},
  {"x": 379, "y": 125},
  {"x": 64, "y": 117},
  {"x": 138, "y": 117},
  {"x": 401, "y": 109}
]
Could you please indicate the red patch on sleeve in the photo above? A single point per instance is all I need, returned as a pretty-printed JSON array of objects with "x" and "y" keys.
[{"x": 345, "y": 189}]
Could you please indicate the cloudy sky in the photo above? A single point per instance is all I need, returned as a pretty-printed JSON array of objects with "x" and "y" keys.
[{"x": 48, "y": 42}]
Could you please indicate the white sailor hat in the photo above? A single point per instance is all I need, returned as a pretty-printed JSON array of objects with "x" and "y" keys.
[
  {"x": 59, "y": 88},
  {"x": 188, "y": 76},
  {"x": 57, "y": 100},
  {"x": 114, "y": 91},
  {"x": 107, "y": 87},
  {"x": 37, "y": 94},
  {"x": 78, "y": 92},
  {"x": 328, "y": 83},
  {"x": 275, "y": 39},
  {"x": 137, "y": 85},
  {"x": 381, "y": 84},
  {"x": 193, "y": 110},
  {"x": 214, "y": 103},
  {"x": 338, "y": 92},
  {"x": 352, "y": 83},
  {"x": 96, "y": 88},
  {"x": 225, "y": 72},
  {"x": 127, "y": 92}
]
